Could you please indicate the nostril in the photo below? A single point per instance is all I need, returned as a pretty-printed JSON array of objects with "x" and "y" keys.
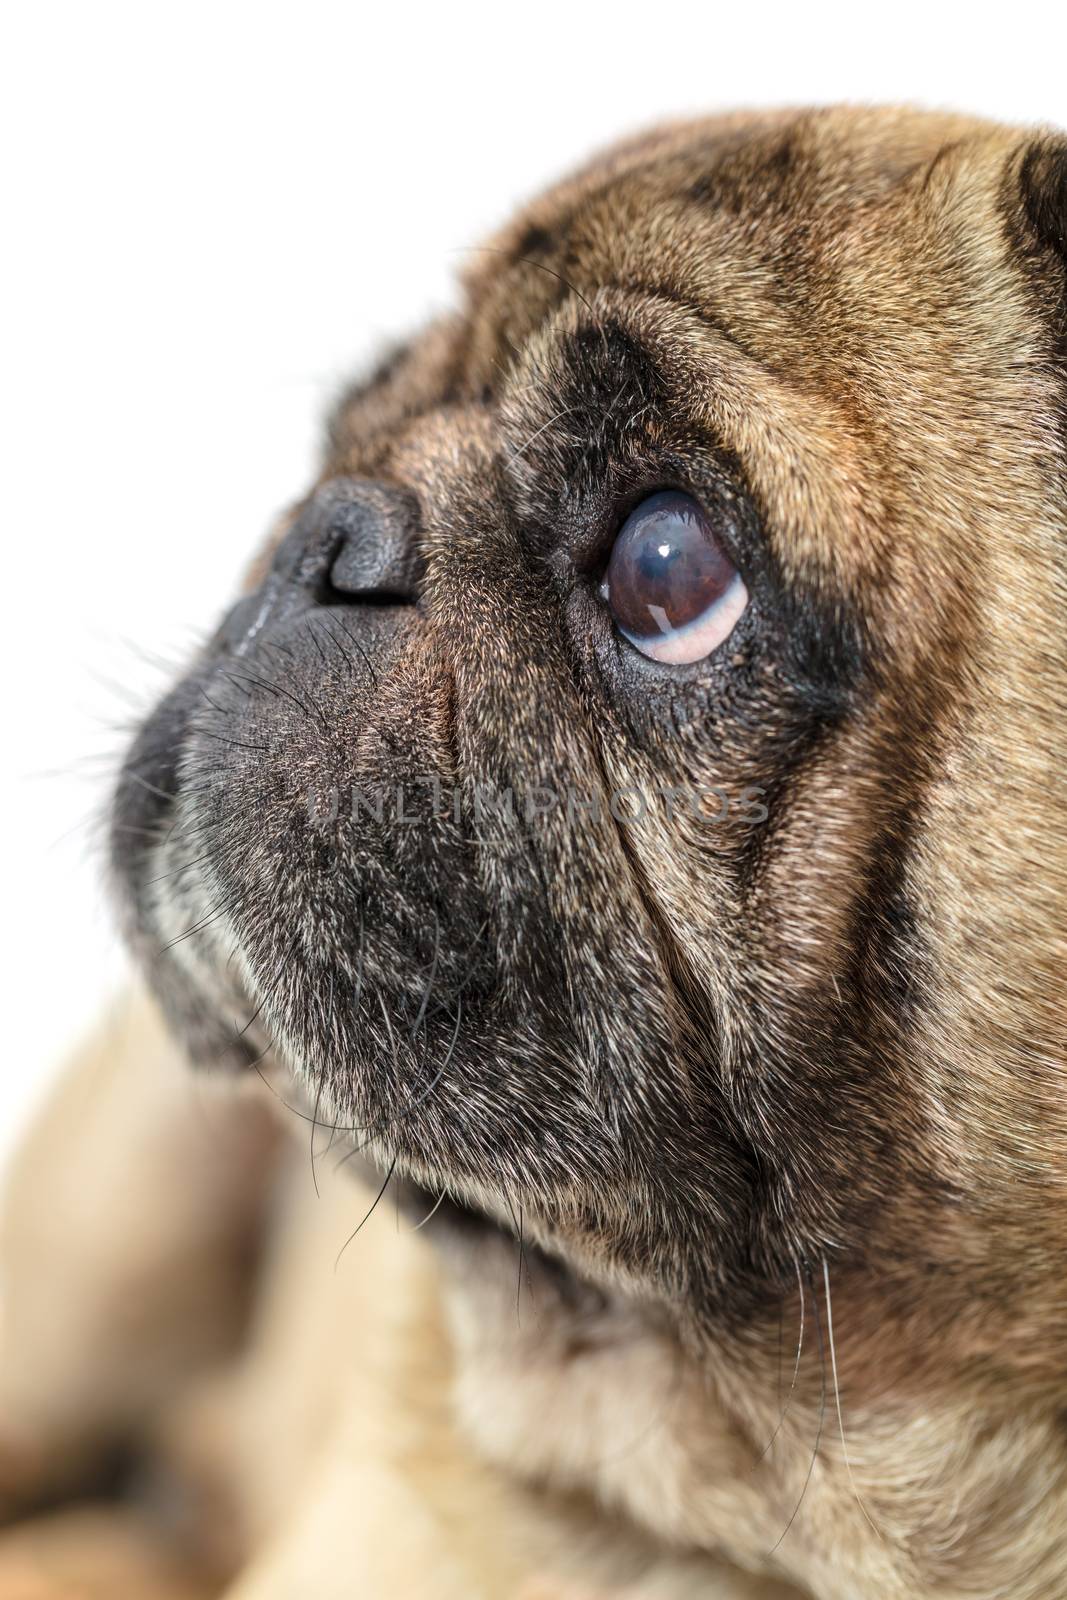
[
  {"x": 332, "y": 595},
  {"x": 372, "y": 529}
]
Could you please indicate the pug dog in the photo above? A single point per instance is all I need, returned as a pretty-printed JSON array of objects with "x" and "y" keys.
[{"x": 621, "y": 827}]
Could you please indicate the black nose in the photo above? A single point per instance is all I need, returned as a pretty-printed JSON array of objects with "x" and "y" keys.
[
  {"x": 371, "y": 531},
  {"x": 354, "y": 543}
]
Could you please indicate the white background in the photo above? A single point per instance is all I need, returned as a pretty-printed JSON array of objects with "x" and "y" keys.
[{"x": 211, "y": 215}]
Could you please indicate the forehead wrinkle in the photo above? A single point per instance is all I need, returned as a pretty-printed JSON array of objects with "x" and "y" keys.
[{"x": 800, "y": 452}]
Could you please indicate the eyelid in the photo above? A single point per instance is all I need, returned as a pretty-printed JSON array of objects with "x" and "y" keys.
[{"x": 587, "y": 533}]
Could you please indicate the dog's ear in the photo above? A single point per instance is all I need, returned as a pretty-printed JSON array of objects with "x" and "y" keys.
[{"x": 1043, "y": 181}]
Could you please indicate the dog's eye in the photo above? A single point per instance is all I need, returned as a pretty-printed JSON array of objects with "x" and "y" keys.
[{"x": 670, "y": 586}]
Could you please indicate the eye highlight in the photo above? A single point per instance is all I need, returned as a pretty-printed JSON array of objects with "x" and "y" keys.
[{"x": 670, "y": 586}]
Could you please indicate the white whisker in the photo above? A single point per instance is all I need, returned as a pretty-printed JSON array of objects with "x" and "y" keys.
[{"x": 837, "y": 1398}]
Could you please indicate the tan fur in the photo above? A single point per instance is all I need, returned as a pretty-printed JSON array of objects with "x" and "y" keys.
[
  {"x": 860, "y": 319},
  {"x": 325, "y": 1458}
]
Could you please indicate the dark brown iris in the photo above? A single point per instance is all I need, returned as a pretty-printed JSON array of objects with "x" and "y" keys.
[{"x": 671, "y": 587}]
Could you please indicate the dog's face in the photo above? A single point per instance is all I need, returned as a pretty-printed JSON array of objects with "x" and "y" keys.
[{"x": 723, "y": 529}]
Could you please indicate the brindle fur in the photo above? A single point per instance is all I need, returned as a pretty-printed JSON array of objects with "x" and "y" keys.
[{"x": 722, "y": 1081}]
